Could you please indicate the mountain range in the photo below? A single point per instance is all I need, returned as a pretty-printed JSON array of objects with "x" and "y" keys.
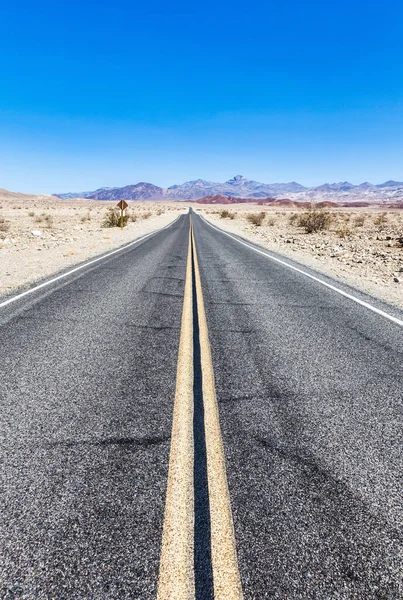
[{"x": 238, "y": 186}]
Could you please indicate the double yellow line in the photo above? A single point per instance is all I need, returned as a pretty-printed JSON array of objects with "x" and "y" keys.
[{"x": 177, "y": 577}]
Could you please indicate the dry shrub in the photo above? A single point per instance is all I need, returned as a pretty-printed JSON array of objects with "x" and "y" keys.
[
  {"x": 381, "y": 221},
  {"x": 314, "y": 219},
  {"x": 4, "y": 225},
  {"x": 146, "y": 215},
  {"x": 114, "y": 219},
  {"x": 359, "y": 221},
  {"x": 293, "y": 218},
  {"x": 256, "y": 218},
  {"x": 48, "y": 221},
  {"x": 226, "y": 214},
  {"x": 344, "y": 231},
  {"x": 271, "y": 222},
  {"x": 31, "y": 213}
]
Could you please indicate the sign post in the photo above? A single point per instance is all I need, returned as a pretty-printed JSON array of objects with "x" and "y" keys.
[{"x": 122, "y": 205}]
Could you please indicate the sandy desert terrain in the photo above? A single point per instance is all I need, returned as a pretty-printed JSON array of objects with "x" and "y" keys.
[
  {"x": 40, "y": 235},
  {"x": 360, "y": 246}
]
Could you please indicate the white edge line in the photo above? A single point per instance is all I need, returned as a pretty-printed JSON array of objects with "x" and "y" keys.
[
  {"x": 86, "y": 264},
  {"x": 328, "y": 285}
]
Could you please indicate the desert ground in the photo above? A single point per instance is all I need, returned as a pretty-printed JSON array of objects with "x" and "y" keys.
[
  {"x": 359, "y": 246},
  {"x": 41, "y": 235}
]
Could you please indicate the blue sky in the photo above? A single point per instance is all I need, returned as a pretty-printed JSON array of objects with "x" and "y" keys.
[{"x": 111, "y": 93}]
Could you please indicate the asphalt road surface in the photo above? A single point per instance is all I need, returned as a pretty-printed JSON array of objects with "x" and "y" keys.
[{"x": 309, "y": 386}]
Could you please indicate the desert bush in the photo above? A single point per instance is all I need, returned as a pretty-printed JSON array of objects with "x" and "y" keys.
[
  {"x": 359, "y": 221},
  {"x": 256, "y": 218},
  {"x": 31, "y": 213},
  {"x": 343, "y": 231},
  {"x": 314, "y": 219},
  {"x": 114, "y": 219},
  {"x": 48, "y": 221},
  {"x": 85, "y": 218},
  {"x": 381, "y": 221},
  {"x": 226, "y": 214},
  {"x": 4, "y": 226},
  {"x": 133, "y": 217},
  {"x": 293, "y": 218},
  {"x": 160, "y": 212},
  {"x": 146, "y": 215},
  {"x": 271, "y": 222}
]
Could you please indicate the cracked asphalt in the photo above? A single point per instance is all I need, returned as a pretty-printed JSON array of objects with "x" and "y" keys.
[
  {"x": 87, "y": 372},
  {"x": 310, "y": 390}
]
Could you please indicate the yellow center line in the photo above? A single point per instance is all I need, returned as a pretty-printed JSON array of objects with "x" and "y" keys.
[
  {"x": 227, "y": 581},
  {"x": 176, "y": 577}
]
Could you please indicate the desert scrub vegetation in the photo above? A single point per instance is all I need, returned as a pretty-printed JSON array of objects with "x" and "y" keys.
[
  {"x": 381, "y": 221},
  {"x": 314, "y": 220},
  {"x": 256, "y": 218},
  {"x": 146, "y": 215},
  {"x": 4, "y": 225},
  {"x": 114, "y": 219},
  {"x": 293, "y": 218},
  {"x": 359, "y": 221},
  {"x": 43, "y": 218},
  {"x": 48, "y": 219},
  {"x": 344, "y": 231},
  {"x": 226, "y": 214}
]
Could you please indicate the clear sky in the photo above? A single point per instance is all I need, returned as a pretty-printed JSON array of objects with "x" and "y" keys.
[{"x": 108, "y": 93}]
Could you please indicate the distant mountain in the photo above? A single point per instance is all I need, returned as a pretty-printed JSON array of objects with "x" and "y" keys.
[
  {"x": 8, "y": 195},
  {"x": 344, "y": 186},
  {"x": 190, "y": 190},
  {"x": 222, "y": 199},
  {"x": 390, "y": 183},
  {"x": 70, "y": 195},
  {"x": 140, "y": 191},
  {"x": 241, "y": 187}
]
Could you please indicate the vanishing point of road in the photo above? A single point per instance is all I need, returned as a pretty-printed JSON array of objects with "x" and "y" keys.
[{"x": 196, "y": 418}]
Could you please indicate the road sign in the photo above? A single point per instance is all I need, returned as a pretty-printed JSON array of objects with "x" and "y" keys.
[{"x": 122, "y": 204}]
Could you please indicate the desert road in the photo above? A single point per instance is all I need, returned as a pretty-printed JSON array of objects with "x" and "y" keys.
[{"x": 190, "y": 418}]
